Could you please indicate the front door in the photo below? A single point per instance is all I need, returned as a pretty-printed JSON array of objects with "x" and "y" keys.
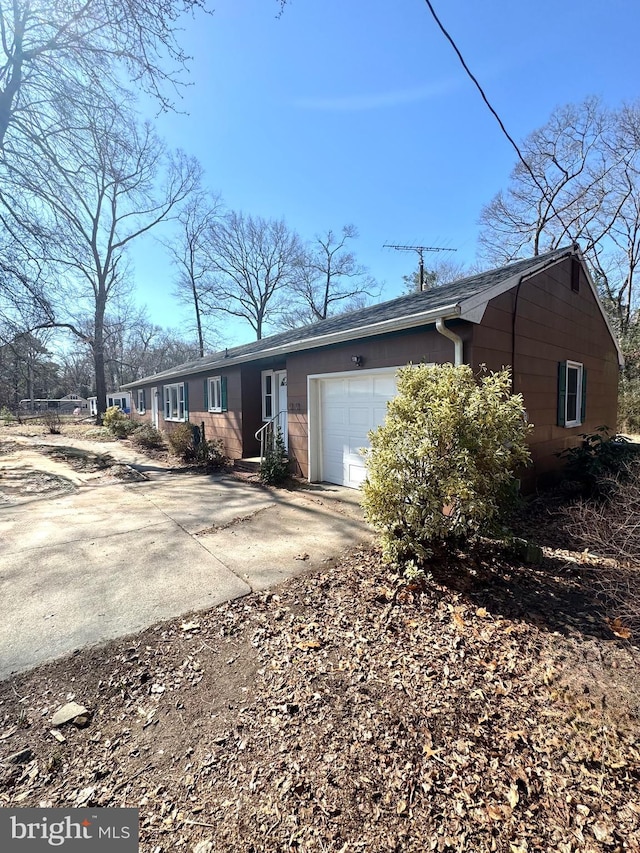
[
  {"x": 154, "y": 407},
  {"x": 280, "y": 382}
]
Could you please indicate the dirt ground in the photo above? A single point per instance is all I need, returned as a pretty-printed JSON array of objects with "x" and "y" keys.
[{"x": 492, "y": 709}]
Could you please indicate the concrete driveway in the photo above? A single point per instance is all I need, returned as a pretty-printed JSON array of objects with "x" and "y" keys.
[{"x": 110, "y": 558}]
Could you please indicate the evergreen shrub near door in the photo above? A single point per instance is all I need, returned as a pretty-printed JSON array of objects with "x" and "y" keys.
[
  {"x": 274, "y": 468},
  {"x": 442, "y": 465}
]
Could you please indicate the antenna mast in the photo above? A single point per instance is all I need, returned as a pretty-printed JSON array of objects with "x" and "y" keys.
[{"x": 420, "y": 250}]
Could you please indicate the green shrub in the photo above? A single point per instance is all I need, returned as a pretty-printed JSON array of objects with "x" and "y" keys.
[
  {"x": 212, "y": 453},
  {"x": 274, "y": 468},
  {"x": 189, "y": 443},
  {"x": 117, "y": 422},
  {"x": 441, "y": 467},
  {"x": 6, "y": 415},
  {"x": 182, "y": 443},
  {"x": 598, "y": 456},
  {"x": 148, "y": 437}
]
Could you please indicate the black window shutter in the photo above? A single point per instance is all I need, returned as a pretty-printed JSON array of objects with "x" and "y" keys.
[
  {"x": 583, "y": 407},
  {"x": 223, "y": 393},
  {"x": 186, "y": 401},
  {"x": 562, "y": 393},
  {"x": 206, "y": 395},
  {"x": 144, "y": 399}
]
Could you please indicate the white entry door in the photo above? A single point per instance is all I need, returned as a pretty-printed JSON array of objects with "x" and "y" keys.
[
  {"x": 154, "y": 407},
  {"x": 280, "y": 382},
  {"x": 274, "y": 400},
  {"x": 349, "y": 408}
]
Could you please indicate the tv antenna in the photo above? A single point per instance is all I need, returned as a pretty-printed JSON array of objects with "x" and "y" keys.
[{"x": 420, "y": 250}]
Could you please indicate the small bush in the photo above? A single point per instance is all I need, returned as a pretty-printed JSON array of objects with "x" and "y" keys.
[
  {"x": 182, "y": 442},
  {"x": 274, "y": 468},
  {"x": 212, "y": 454},
  {"x": 97, "y": 433},
  {"x": 598, "y": 457},
  {"x": 189, "y": 444},
  {"x": 611, "y": 528},
  {"x": 51, "y": 420},
  {"x": 441, "y": 467},
  {"x": 117, "y": 422},
  {"x": 6, "y": 415},
  {"x": 148, "y": 437}
]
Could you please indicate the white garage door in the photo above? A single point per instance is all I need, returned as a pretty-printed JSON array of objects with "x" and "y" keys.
[{"x": 349, "y": 408}]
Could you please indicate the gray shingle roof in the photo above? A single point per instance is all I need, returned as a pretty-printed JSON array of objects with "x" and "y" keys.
[{"x": 395, "y": 309}]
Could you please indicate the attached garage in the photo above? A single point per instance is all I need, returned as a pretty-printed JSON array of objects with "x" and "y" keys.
[{"x": 347, "y": 406}]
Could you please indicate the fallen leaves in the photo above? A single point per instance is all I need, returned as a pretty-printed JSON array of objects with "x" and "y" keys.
[{"x": 340, "y": 715}]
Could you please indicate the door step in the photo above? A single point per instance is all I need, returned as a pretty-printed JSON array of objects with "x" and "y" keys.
[{"x": 251, "y": 464}]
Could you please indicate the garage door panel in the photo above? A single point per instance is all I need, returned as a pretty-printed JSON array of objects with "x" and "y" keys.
[
  {"x": 384, "y": 386},
  {"x": 350, "y": 409},
  {"x": 359, "y": 416},
  {"x": 334, "y": 417},
  {"x": 359, "y": 388},
  {"x": 356, "y": 475},
  {"x": 336, "y": 389}
]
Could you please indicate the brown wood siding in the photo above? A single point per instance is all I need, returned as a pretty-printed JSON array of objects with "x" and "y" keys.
[
  {"x": 223, "y": 426},
  {"x": 251, "y": 407},
  {"x": 553, "y": 324},
  {"x": 146, "y": 417},
  {"x": 226, "y": 426},
  {"x": 424, "y": 344}
]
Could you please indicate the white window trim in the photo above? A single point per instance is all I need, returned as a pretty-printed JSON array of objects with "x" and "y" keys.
[
  {"x": 215, "y": 382},
  {"x": 574, "y": 365},
  {"x": 141, "y": 408},
  {"x": 179, "y": 389}
]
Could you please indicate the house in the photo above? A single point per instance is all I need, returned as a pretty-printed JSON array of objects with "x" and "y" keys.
[
  {"x": 70, "y": 404},
  {"x": 121, "y": 399},
  {"x": 327, "y": 384}
]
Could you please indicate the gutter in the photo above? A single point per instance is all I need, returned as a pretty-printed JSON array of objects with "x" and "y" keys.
[
  {"x": 437, "y": 315},
  {"x": 446, "y": 332}
]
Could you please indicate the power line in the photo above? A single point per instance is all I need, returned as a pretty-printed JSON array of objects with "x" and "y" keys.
[{"x": 493, "y": 111}]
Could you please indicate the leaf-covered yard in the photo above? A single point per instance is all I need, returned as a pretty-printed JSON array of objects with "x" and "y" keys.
[{"x": 492, "y": 710}]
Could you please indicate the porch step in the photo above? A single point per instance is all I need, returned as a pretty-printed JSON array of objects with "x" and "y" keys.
[{"x": 251, "y": 464}]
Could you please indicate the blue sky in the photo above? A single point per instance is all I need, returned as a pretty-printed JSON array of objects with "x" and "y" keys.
[{"x": 358, "y": 111}]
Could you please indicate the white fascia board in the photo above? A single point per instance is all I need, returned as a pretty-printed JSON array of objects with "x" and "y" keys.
[{"x": 396, "y": 324}]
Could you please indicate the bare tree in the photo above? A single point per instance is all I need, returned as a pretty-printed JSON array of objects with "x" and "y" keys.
[
  {"x": 195, "y": 267},
  {"x": 133, "y": 347},
  {"x": 441, "y": 273},
  {"x": 46, "y": 44},
  {"x": 330, "y": 280},
  {"x": 583, "y": 185},
  {"x": 27, "y": 369},
  {"x": 255, "y": 261},
  {"x": 100, "y": 185},
  {"x": 553, "y": 200}
]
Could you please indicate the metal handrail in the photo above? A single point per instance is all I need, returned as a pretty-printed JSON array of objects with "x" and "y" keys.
[{"x": 262, "y": 432}]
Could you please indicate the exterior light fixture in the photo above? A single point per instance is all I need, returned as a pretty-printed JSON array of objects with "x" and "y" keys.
[{"x": 357, "y": 360}]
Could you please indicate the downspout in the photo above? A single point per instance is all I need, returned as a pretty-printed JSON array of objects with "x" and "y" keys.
[{"x": 457, "y": 340}]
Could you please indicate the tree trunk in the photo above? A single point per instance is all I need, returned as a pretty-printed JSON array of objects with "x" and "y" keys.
[
  {"x": 98, "y": 359},
  {"x": 198, "y": 320}
]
